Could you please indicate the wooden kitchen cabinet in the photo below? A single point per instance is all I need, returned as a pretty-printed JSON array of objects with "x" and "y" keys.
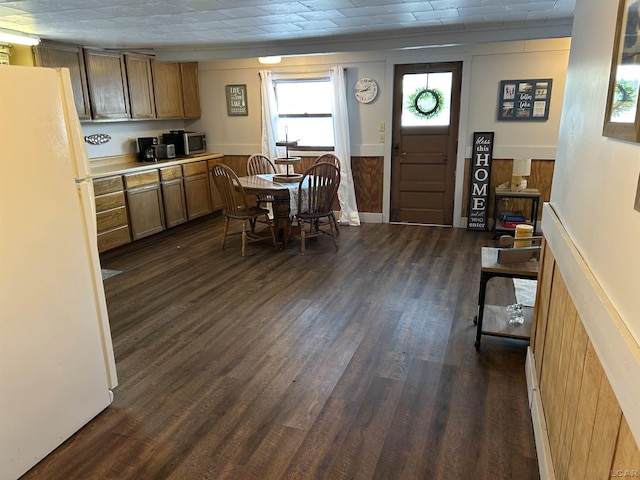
[
  {"x": 167, "y": 85},
  {"x": 190, "y": 90},
  {"x": 111, "y": 213},
  {"x": 71, "y": 57},
  {"x": 106, "y": 78},
  {"x": 175, "y": 206},
  {"x": 196, "y": 189},
  {"x": 144, "y": 198},
  {"x": 140, "y": 85}
]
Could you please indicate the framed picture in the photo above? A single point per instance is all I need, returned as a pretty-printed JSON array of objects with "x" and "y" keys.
[
  {"x": 622, "y": 116},
  {"x": 525, "y": 100},
  {"x": 237, "y": 100}
]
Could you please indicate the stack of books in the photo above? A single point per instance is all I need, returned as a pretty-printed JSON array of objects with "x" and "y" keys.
[{"x": 511, "y": 219}]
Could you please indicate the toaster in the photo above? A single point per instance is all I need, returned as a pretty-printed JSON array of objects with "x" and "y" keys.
[{"x": 165, "y": 150}]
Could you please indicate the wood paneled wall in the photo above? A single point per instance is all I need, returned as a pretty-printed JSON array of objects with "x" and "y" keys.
[
  {"x": 541, "y": 178},
  {"x": 588, "y": 435},
  {"x": 367, "y": 177}
]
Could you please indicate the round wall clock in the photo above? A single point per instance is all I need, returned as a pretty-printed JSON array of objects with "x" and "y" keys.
[{"x": 366, "y": 90}]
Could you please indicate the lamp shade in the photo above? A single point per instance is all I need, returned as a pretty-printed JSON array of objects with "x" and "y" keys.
[{"x": 521, "y": 166}]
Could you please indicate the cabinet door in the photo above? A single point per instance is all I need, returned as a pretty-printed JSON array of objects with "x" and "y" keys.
[
  {"x": 69, "y": 57},
  {"x": 107, "y": 85},
  {"x": 146, "y": 212},
  {"x": 175, "y": 209},
  {"x": 167, "y": 88},
  {"x": 140, "y": 83},
  {"x": 196, "y": 189},
  {"x": 190, "y": 90}
]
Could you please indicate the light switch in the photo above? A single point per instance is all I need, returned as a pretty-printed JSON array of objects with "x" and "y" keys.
[
  {"x": 381, "y": 126},
  {"x": 381, "y": 138}
]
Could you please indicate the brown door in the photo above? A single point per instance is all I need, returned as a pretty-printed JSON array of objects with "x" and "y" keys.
[{"x": 426, "y": 107}]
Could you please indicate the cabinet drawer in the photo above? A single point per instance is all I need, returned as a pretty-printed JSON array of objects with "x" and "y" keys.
[
  {"x": 195, "y": 168},
  {"x": 113, "y": 238},
  {"x": 171, "y": 173},
  {"x": 144, "y": 178},
  {"x": 109, "y": 201},
  {"x": 116, "y": 217},
  {"x": 107, "y": 185}
]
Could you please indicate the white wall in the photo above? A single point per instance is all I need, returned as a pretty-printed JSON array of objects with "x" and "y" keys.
[
  {"x": 593, "y": 194},
  {"x": 484, "y": 66},
  {"x": 596, "y": 177}
]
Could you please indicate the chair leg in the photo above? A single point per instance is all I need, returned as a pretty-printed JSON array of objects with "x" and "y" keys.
[
  {"x": 335, "y": 222},
  {"x": 273, "y": 231},
  {"x": 334, "y": 233},
  {"x": 302, "y": 232},
  {"x": 244, "y": 235},
  {"x": 224, "y": 232}
]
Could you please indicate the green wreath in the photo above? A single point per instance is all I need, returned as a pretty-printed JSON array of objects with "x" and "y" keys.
[
  {"x": 425, "y": 103},
  {"x": 624, "y": 97}
]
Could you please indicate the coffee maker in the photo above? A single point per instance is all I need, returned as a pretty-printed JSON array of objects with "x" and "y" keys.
[{"x": 146, "y": 149}]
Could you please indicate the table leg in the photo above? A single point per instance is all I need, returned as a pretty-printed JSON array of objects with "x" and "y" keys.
[
  {"x": 281, "y": 217},
  {"x": 481, "y": 294}
]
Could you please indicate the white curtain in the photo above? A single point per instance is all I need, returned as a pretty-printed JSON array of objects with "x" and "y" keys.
[
  {"x": 269, "y": 115},
  {"x": 346, "y": 192}
]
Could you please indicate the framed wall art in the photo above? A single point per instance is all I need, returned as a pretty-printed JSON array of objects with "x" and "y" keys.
[
  {"x": 525, "y": 100},
  {"x": 479, "y": 180},
  {"x": 622, "y": 116},
  {"x": 237, "y": 100}
]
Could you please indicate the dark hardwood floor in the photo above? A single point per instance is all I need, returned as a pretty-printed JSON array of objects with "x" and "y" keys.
[{"x": 356, "y": 364}]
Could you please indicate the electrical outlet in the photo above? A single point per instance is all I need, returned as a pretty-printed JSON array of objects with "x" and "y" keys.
[
  {"x": 381, "y": 138},
  {"x": 381, "y": 126}
]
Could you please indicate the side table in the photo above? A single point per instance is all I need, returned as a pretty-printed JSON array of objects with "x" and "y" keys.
[
  {"x": 532, "y": 194},
  {"x": 497, "y": 323}
]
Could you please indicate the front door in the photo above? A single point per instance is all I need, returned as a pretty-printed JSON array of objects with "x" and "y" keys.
[{"x": 426, "y": 107}]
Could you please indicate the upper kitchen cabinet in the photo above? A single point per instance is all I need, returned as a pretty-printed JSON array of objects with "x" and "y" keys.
[
  {"x": 71, "y": 57},
  {"x": 107, "y": 82},
  {"x": 140, "y": 83},
  {"x": 176, "y": 90},
  {"x": 190, "y": 90},
  {"x": 167, "y": 87}
]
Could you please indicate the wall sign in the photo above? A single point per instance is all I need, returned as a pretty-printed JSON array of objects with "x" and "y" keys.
[
  {"x": 480, "y": 176},
  {"x": 525, "y": 100},
  {"x": 237, "y": 100}
]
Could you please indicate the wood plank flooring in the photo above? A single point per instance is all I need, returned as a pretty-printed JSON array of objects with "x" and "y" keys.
[{"x": 356, "y": 364}]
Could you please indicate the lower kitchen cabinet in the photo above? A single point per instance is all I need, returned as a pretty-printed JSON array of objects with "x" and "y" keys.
[
  {"x": 175, "y": 207},
  {"x": 146, "y": 209},
  {"x": 111, "y": 213},
  {"x": 196, "y": 189}
]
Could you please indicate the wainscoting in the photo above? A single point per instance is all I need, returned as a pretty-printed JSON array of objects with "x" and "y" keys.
[{"x": 583, "y": 431}]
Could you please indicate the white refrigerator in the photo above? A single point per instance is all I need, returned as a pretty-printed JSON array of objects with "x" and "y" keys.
[{"x": 57, "y": 367}]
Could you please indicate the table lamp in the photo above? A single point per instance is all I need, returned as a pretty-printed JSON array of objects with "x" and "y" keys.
[{"x": 521, "y": 168}]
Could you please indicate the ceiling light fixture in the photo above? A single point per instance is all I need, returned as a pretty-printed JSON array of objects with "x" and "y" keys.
[
  {"x": 10, "y": 36},
  {"x": 269, "y": 60}
]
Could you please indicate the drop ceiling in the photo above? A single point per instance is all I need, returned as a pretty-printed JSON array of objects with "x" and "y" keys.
[{"x": 211, "y": 29}]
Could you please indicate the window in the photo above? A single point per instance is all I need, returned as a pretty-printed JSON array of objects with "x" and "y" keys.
[
  {"x": 426, "y": 99},
  {"x": 304, "y": 112}
]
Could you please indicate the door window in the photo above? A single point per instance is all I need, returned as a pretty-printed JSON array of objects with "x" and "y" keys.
[{"x": 426, "y": 99}]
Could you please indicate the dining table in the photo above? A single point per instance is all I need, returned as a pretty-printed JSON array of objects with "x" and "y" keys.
[{"x": 285, "y": 196}]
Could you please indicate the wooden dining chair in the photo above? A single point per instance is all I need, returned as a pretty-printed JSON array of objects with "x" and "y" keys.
[
  {"x": 331, "y": 158},
  {"x": 316, "y": 193},
  {"x": 258, "y": 164},
  {"x": 235, "y": 206}
]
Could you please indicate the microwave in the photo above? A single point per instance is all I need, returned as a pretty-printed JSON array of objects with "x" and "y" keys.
[{"x": 186, "y": 143}]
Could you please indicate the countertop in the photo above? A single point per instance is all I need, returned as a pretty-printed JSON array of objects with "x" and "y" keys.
[{"x": 129, "y": 164}]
